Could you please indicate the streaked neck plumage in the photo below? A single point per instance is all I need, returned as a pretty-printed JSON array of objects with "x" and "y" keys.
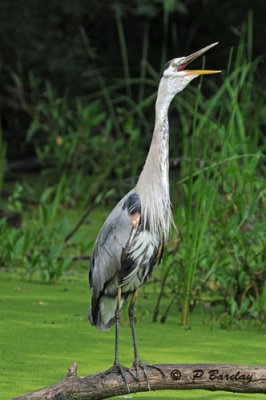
[{"x": 153, "y": 183}]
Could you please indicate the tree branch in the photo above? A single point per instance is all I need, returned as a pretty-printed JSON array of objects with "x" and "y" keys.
[
  {"x": 81, "y": 221},
  {"x": 231, "y": 378}
]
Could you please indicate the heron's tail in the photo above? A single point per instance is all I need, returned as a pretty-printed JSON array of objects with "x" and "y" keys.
[{"x": 102, "y": 312}]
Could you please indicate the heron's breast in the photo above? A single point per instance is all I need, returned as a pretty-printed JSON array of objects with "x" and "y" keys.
[{"x": 139, "y": 261}]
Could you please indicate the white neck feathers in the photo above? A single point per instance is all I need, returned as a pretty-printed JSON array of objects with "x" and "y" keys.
[{"x": 153, "y": 183}]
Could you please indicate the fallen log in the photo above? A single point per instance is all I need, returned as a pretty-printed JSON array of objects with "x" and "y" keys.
[{"x": 230, "y": 378}]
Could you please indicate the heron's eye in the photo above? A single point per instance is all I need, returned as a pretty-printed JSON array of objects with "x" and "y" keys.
[{"x": 173, "y": 65}]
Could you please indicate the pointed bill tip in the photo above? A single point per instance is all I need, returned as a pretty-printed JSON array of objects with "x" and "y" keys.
[
  {"x": 206, "y": 48},
  {"x": 201, "y": 72},
  {"x": 193, "y": 56}
]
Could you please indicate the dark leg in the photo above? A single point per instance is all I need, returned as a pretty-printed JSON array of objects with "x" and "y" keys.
[
  {"x": 131, "y": 315},
  {"x": 117, "y": 320},
  {"x": 117, "y": 364},
  {"x": 137, "y": 363},
  {"x": 117, "y": 367}
]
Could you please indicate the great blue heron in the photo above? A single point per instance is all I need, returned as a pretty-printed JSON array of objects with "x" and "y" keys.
[{"x": 132, "y": 238}]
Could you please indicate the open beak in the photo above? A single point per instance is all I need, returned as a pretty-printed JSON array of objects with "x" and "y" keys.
[{"x": 192, "y": 57}]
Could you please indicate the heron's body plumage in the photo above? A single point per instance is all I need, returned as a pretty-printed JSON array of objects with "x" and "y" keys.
[{"x": 115, "y": 263}]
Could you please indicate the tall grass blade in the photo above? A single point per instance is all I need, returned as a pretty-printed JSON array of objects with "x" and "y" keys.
[
  {"x": 143, "y": 61},
  {"x": 2, "y": 162},
  {"x": 123, "y": 46}
]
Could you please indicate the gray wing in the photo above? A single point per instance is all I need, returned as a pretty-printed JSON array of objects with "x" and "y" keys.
[{"x": 112, "y": 239}]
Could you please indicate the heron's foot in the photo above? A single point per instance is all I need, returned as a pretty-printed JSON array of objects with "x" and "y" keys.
[
  {"x": 120, "y": 369},
  {"x": 139, "y": 364}
]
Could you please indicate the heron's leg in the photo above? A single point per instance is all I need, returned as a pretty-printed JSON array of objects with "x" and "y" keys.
[
  {"x": 131, "y": 315},
  {"x": 137, "y": 363},
  {"x": 117, "y": 320},
  {"x": 117, "y": 366}
]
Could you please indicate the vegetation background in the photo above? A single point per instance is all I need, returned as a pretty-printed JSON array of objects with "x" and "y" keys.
[{"x": 79, "y": 82}]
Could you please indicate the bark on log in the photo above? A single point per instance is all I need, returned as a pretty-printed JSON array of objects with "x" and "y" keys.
[{"x": 231, "y": 378}]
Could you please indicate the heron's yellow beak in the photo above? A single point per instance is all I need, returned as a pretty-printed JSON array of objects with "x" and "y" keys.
[{"x": 192, "y": 57}]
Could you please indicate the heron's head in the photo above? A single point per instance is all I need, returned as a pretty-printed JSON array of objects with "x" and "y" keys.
[{"x": 175, "y": 75}]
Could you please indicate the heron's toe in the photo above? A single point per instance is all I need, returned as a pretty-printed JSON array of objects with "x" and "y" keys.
[
  {"x": 139, "y": 365},
  {"x": 123, "y": 371}
]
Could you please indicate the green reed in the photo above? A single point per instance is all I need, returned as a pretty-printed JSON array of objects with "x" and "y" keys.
[{"x": 219, "y": 175}]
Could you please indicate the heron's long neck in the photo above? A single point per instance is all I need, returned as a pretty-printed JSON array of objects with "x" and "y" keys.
[{"x": 153, "y": 183}]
